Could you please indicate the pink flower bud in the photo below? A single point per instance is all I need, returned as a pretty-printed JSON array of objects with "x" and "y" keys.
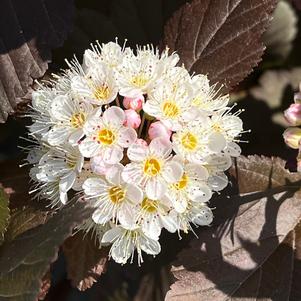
[
  {"x": 292, "y": 137},
  {"x": 141, "y": 142},
  {"x": 133, "y": 103},
  {"x": 158, "y": 129},
  {"x": 132, "y": 119},
  {"x": 293, "y": 114}
]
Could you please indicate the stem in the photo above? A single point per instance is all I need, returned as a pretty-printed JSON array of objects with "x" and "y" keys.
[
  {"x": 141, "y": 125},
  {"x": 117, "y": 101}
]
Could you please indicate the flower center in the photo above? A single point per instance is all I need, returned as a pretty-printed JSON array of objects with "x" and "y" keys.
[
  {"x": 106, "y": 137},
  {"x": 152, "y": 167},
  {"x": 77, "y": 120},
  {"x": 170, "y": 109},
  {"x": 182, "y": 183},
  {"x": 217, "y": 127},
  {"x": 149, "y": 205},
  {"x": 189, "y": 141},
  {"x": 139, "y": 80},
  {"x": 116, "y": 194},
  {"x": 101, "y": 92}
]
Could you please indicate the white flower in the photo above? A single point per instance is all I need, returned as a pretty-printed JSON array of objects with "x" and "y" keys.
[
  {"x": 107, "y": 136},
  {"x": 205, "y": 97},
  {"x": 60, "y": 166},
  {"x": 151, "y": 167},
  {"x": 170, "y": 102},
  {"x": 113, "y": 198},
  {"x": 138, "y": 73},
  {"x": 125, "y": 242},
  {"x": 197, "y": 140},
  {"x": 110, "y": 54},
  {"x": 153, "y": 215},
  {"x": 196, "y": 213},
  {"x": 68, "y": 115},
  {"x": 97, "y": 87},
  {"x": 191, "y": 187}
]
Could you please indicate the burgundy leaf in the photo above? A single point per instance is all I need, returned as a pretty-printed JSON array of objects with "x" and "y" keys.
[
  {"x": 220, "y": 38},
  {"x": 85, "y": 261},
  {"x": 29, "y": 30}
]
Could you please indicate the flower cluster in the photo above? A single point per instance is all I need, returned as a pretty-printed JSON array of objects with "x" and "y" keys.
[
  {"x": 141, "y": 140},
  {"x": 292, "y": 136}
]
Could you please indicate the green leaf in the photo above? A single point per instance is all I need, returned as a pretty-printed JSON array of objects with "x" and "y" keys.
[
  {"x": 4, "y": 214},
  {"x": 26, "y": 259}
]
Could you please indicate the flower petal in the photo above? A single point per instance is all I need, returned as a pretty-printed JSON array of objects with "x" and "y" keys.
[
  {"x": 134, "y": 193},
  {"x": 160, "y": 147},
  {"x": 113, "y": 174},
  {"x": 95, "y": 186},
  {"x": 155, "y": 188},
  {"x": 67, "y": 182},
  {"x": 150, "y": 246},
  {"x": 89, "y": 148},
  {"x": 127, "y": 136},
  {"x": 113, "y": 154},
  {"x": 172, "y": 171},
  {"x": 137, "y": 152},
  {"x": 114, "y": 115},
  {"x": 112, "y": 234}
]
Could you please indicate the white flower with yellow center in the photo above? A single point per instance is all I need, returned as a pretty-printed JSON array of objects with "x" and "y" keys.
[
  {"x": 205, "y": 97},
  {"x": 61, "y": 166},
  {"x": 197, "y": 140},
  {"x": 111, "y": 54},
  {"x": 196, "y": 213},
  {"x": 191, "y": 187},
  {"x": 125, "y": 242},
  {"x": 68, "y": 117},
  {"x": 97, "y": 87},
  {"x": 152, "y": 168},
  {"x": 106, "y": 136},
  {"x": 170, "y": 102},
  {"x": 138, "y": 73},
  {"x": 153, "y": 215},
  {"x": 113, "y": 198}
]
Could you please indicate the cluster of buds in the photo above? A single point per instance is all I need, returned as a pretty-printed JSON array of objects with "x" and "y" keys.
[
  {"x": 292, "y": 136},
  {"x": 139, "y": 139}
]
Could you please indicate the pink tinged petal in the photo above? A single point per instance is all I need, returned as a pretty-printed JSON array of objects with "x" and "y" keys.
[
  {"x": 98, "y": 165},
  {"x": 57, "y": 135},
  {"x": 114, "y": 115},
  {"x": 133, "y": 103},
  {"x": 113, "y": 174},
  {"x": 111, "y": 235},
  {"x": 217, "y": 142},
  {"x": 137, "y": 152},
  {"x": 89, "y": 148},
  {"x": 94, "y": 186},
  {"x": 151, "y": 226},
  {"x": 75, "y": 137},
  {"x": 197, "y": 171},
  {"x": 133, "y": 119},
  {"x": 127, "y": 136},
  {"x": 150, "y": 246},
  {"x": 191, "y": 114},
  {"x": 134, "y": 193},
  {"x": 127, "y": 216},
  {"x": 232, "y": 149},
  {"x": 293, "y": 114},
  {"x": 292, "y": 137},
  {"x": 67, "y": 182},
  {"x": 158, "y": 129},
  {"x": 113, "y": 154},
  {"x": 155, "y": 188},
  {"x": 200, "y": 193},
  {"x": 160, "y": 147},
  {"x": 218, "y": 182},
  {"x": 130, "y": 92},
  {"x": 141, "y": 142},
  {"x": 204, "y": 217},
  {"x": 172, "y": 172}
]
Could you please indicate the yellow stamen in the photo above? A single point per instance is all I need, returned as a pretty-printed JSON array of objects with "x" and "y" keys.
[
  {"x": 152, "y": 167},
  {"x": 106, "y": 137},
  {"x": 116, "y": 194},
  {"x": 102, "y": 92},
  {"x": 170, "y": 109},
  {"x": 182, "y": 183},
  {"x": 139, "y": 80},
  {"x": 189, "y": 141},
  {"x": 77, "y": 120},
  {"x": 149, "y": 205}
]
